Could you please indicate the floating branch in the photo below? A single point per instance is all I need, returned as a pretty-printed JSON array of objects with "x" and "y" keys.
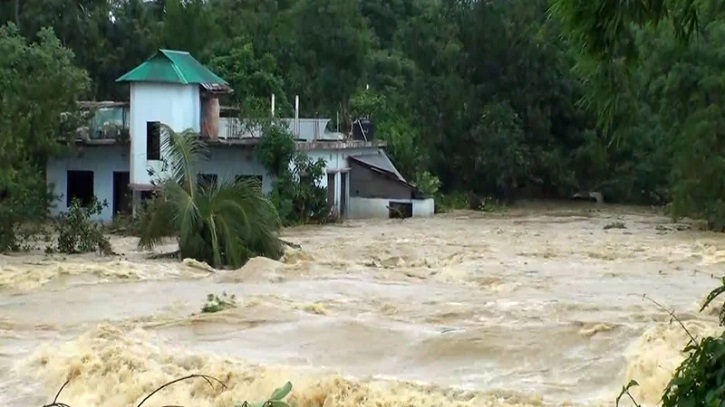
[
  {"x": 55, "y": 402},
  {"x": 166, "y": 255},
  {"x": 208, "y": 379},
  {"x": 672, "y": 315}
]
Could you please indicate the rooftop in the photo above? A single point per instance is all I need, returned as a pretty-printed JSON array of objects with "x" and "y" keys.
[{"x": 179, "y": 67}]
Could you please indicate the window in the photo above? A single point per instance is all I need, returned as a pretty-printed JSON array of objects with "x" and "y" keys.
[
  {"x": 330, "y": 190},
  {"x": 206, "y": 180},
  {"x": 153, "y": 140},
  {"x": 122, "y": 195},
  {"x": 79, "y": 185},
  {"x": 257, "y": 178}
]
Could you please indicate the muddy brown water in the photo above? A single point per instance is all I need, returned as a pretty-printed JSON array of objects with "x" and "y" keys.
[{"x": 536, "y": 306}]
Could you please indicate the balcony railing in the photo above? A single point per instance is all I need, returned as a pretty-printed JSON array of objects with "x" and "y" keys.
[
  {"x": 108, "y": 120},
  {"x": 309, "y": 129}
]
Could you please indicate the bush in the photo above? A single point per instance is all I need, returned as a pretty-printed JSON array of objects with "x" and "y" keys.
[
  {"x": 298, "y": 195},
  {"x": 297, "y": 192},
  {"x": 77, "y": 233},
  {"x": 24, "y": 203},
  {"x": 276, "y": 149}
]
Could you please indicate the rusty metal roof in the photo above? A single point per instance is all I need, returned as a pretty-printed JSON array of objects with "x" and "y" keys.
[{"x": 379, "y": 161}]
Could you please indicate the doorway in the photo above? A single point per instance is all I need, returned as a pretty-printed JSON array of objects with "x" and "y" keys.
[
  {"x": 344, "y": 177},
  {"x": 331, "y": 190},
  {"x": 121, "y": 193},
  {"x": 79, "y": 184}
]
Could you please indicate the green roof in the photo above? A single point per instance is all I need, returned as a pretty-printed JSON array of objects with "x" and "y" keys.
[{"x": 179, "y": 67}]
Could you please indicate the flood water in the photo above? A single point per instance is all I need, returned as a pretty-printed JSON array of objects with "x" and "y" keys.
[{"x": 535, "y": 306}]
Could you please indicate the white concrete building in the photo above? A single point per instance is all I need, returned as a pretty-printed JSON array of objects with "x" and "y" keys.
[{"x": 122, "y": 147}]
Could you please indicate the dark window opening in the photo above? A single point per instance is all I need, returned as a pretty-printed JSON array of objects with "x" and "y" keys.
[
  {"x": 257, "y": 178},
  {"x": 343, "y": 193},
  {"x": 80, "y": 185},
  {"x": 122, "y": 195},
  {"x": 146, "y": 195},
  {"x": 206, "y": 180},
  {"x": 330, "y": 190},
  {"x": 153, "y": 140},
  {"x": 400, "y": 210}
]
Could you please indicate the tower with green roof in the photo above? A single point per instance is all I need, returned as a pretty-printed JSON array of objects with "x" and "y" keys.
[{"x": 172, "y": 88}]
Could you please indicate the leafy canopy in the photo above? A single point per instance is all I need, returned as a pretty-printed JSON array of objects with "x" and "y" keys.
[{"x": 40, "y": 85}]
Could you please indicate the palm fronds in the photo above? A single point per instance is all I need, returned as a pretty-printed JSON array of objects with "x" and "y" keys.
[{"x": 223, "y": 224}]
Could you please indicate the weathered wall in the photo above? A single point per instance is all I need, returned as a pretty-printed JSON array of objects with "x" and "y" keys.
[
  {"x": 365, "y": 183},
  {"x": 229, "y": 162},
  {"x": 210, "y": 117},
  {"x": 423, "y": 207},
  {"x": 102, "y": 160},
  {"x": 177, "y": 106},
  {"x": 362, "y": 208},
  {"x": 225, "y": 162},
  {"x": 336, "y": 163}
]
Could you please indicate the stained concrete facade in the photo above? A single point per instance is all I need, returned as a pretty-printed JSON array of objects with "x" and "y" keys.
[
  {"x": 120, "y": 171},
  {"x": 110, "y": 161}
]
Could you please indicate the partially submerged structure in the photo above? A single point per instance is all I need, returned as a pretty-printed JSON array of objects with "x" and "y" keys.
[{"x": 121, "y": 147}]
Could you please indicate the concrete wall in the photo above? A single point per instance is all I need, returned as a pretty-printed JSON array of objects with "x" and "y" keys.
[
  {"x": 102, "y": 160},
  {"x": 361, "y": 208},
  {"x": 177, "y": 106},
  {"x": 226, "y": 162},
  {"x": 336, "y": 164},
  {"x": 229, "y": 162}
]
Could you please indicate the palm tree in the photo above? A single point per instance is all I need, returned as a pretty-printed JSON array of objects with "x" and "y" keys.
[{"x": 223, "y": 223}]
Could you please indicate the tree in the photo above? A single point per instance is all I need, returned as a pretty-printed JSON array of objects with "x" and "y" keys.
[
  {"x": 604, "y": 27},
  {"x": 35, "y": 115},
  {"x": 331, "y": 44},
  {"x": 223, "y": 224}
]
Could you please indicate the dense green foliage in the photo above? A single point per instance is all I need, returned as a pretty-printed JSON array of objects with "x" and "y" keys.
[
  {"x": 297, "y": 192},
  {"x": 487, "y": 98},
  {"x": 77, "y": 233},
  {"x": 39, "y": 81},
  {"x": 223, "y": 223},
  {"x": 699, "y": 381}
]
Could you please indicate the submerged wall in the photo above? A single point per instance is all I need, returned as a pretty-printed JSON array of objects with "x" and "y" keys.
[
  {"x": 102, "y": 160},
  {"x": 226, "y": 163},
  {"x": 362, "y": 208}
]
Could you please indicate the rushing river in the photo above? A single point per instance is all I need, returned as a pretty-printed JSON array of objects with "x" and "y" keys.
[{"x": 537, "y": 306}]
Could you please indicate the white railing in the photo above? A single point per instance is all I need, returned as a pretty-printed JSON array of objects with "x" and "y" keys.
[{"x": 309, "y": 129}]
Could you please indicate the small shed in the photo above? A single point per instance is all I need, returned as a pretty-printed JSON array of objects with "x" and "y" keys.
[{"x": 377, "y": 189}]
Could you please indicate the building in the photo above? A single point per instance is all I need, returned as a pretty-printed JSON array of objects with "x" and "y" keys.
[{"x": 122, "y": 143}]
